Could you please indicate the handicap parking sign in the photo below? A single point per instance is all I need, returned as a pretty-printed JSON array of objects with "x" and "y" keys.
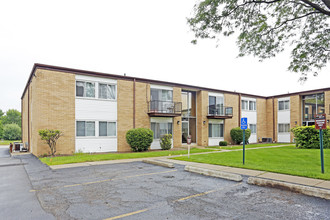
[{"x": 244, "y": 124}]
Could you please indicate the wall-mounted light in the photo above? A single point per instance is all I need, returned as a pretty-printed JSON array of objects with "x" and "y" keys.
[
  {"x": 204, "y": 122},
  {"x": 295, "y": 122},
  {"x": 328, "y": 121},
  {"x": 178, "y": 122}
]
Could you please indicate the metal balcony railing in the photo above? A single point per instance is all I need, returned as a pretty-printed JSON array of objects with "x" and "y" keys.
[
  {"x": 164, "y": 108},
  {"x": 220, "y": 111}
]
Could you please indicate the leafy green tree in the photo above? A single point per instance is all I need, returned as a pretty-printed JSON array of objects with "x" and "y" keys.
[
  {"x": 12, "y": 132},
  {"x": 266, "y": 27},
  {"x": 1, "y": 130},
  {"x": 50, "y": 137},
  {"x": 1, "y": 113},
  {"x": 12, "y": 117}
]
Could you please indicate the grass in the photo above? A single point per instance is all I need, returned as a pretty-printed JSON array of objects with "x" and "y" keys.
[
  {"x": 286, "y": 160},
  {"x": 235, "y": 147},
  {"x": 6, "y": 142},
  {"x": 85, "y": 157}
]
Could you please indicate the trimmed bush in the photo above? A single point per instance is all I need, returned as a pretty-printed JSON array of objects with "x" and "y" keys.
[
  {"x": 12, "y": 132},
  {"x": 223, "y": 143},
  {"x": 139, "y": 139},
  {"x": 308, "y": 137},
  {"x": 166, "y": 141},
  {"x": 50, "y": 137},
  {"x": 236, "y": 135}
]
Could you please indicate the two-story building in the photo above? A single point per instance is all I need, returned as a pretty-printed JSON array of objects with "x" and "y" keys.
[{"x": 95, "y": 110}]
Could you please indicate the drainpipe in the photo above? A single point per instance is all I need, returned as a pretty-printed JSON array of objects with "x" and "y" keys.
[
  {"x": 134, "y": 103},
  {"x": 239, "y": 109},
  {"x": 28, "y": 118},
  {"x": 273, "y": 120}
]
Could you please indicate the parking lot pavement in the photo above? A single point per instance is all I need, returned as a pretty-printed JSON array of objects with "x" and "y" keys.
[{"x": 144, "y": 191}]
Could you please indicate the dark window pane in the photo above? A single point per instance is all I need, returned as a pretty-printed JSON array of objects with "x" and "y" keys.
[
  {"x": 103, "y": 128},
  {"x": 80, "y": 128}
]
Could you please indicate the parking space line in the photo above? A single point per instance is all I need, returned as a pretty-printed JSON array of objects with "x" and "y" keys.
[
  {"x": 178, "y": 200},
  {"x": 102, "y": 181},
  {"x": 127, "y": 214}
]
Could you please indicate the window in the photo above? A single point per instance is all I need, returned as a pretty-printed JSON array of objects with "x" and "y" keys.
[
  {"x": 85, "y": 89},
  {"x": 249, "y": 105},
  {"x": 253, "y": 128},
  {"x": 245, "y": 105},
  {"x": 160, "y": 129},
  {"x": 283, "y": 128},
  {"x": 107, "y": 129},
  {"x": 107, "y": 91},
  {"x": 215, "y": 130},
  {"x": 284, "y": 105},
  {"x": 85, "y": 128},
  {"x": 252, "y": 105},
  {"x": 216, "y": 105},
  {"x": 161, "y": 95},
  {"x": 161, "y": 100}
]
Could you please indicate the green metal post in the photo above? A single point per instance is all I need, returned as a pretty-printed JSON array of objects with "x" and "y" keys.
[
  {"x": 321, "y": 149},
  {"x": 243, "y": 146}
]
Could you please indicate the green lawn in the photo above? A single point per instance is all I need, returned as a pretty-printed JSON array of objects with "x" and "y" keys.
[
  {"x": 81, "y": 157},
  {"x": 286, "y": 160},
  {"x": 5, "y": 142},
  {"x": 235, "y": 147}
]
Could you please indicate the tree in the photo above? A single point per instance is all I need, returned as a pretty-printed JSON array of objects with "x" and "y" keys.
[
  {"x": 12, "y": 117},
  {"x": 1, "y": 113},
  {"x": 1, "y": 130},
  {"x": 266, "y": 26},
  {"x": 12, "y": 132},
  {"x": 50, "y": 137}
]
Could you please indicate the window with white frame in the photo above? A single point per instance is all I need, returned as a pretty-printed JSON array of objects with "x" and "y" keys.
[
  {"x": 283, "y": 128},
  {"x": 252, "y": 105},
  {"x": 85, "y": 128},
  {"x": 216, "y": 106},
  {"x": 245, "y": 105},
  {"x": 215, "y": 130},
  {"x": 107, "y": 91},
  {"x": 283, "y": 105},
  {"x": 160, "y": 129},
  {"x": 85, "y": 89},
  {"x": 253, "y": 128},
  {"x": 107, "y": 129}
]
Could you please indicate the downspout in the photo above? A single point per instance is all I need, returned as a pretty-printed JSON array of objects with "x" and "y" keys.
[
  {"x": 28, "y": 121},
  {"x": 239, "y": 109},
  {"x": 22, "y": 120},
  {"x": 134, "y": 103},
  {"x": 273, "y": 120}
]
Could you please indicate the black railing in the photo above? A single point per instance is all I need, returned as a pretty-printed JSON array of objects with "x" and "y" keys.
[
  {"x": 165, "y": 107},
  {"x": 220, "y": 111}
]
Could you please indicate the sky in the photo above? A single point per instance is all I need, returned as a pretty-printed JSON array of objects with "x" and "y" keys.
[{"x": 145, "y": 39}]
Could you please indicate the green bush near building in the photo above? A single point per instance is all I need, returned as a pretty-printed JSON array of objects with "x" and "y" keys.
[
  {"x": 139, "y": 139},
  {"x": 236, "y": 135},
  {"x": 223, "y": 143},
  {"x": 166, "y": 141},
  {"x": 308, "y": 137},
  {"x": 12, "y": 132}
]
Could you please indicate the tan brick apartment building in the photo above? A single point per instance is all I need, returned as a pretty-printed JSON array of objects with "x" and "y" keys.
[{"x": 95, "y": 110}]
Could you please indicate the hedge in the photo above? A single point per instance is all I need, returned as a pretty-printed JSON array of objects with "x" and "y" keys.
[
  {"x": 237, "y": 135},
  {"x": 139, "y": 139},
  {"x": 308, "y": 137}
]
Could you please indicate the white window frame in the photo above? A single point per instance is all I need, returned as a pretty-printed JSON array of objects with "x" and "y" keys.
[
  {"x": 223, "y": 129},
  {"x": 254, "y": 105},
  {"x": 167, "y": 130},
  {"x": 108, "y": 84},
  {"x": 84, "y": 96},
  {"x": 245, "y": 105},
  {"x": 85, "y": 136},
  {"x": 284, "y": 105},
  {"x": 284, "y": 128},
  {"x": 107, "y": 128},
  {"x": 255, "y": 128}
]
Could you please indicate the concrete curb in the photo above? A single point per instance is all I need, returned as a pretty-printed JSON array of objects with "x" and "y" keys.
[
  {"x": 159, "y": 163},
  {"x": 213, "y": 173},
  {"x": 307, "y": 190}
]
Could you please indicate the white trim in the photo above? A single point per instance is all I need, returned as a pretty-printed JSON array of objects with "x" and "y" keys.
[
  {"x": 216, "y": 94},
  {"x": 161, "y": 87}
]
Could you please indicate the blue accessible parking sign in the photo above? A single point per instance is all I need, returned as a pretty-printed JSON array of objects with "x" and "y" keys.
[{"x": 244, "y": 124}]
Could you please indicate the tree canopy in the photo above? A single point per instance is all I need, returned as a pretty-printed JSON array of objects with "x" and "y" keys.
[
  {"x": 12, "y": 117},
  {"x": 267, "y": 27}
]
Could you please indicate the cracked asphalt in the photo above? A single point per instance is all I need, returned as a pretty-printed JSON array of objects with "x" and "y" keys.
[{"x": 144, "y": 191}]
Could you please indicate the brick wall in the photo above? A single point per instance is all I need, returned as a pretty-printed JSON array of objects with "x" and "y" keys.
[
  {"x": 295, "y": 112},
  {"x": 177, "y": 128},
  {"x": 202, "y": 129},
  {"x": 231, "y": 100},
  {"x": 261, "y": 119}
]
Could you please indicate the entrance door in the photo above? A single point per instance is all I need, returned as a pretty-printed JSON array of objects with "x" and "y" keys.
[
  {"x": 185, "y": 131},
  {"x": 188, "y": 116}
]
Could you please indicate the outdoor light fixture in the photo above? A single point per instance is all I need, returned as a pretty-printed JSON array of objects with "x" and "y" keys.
[
  {"x": 178, "y": 122},
  {"x": 204, "y": 122},
  {"x": 328, "y": 121},
  {"x": 295, "y": 122}
]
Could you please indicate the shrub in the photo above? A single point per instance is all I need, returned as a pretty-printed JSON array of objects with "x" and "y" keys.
[
  {"x": 50, "y": 137},
  {"x": 237, "y": 135},
  {"x": 223, "y": 143},
  {"x": 139, "y": 139},
  {"x": 166, "y": 141},
  {"x": 12, "y": 132},
  {"x": 308, "y": 137}
]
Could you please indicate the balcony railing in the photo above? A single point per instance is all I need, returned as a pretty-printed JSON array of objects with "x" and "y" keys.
[
  {"x": 220, "y": 112},
  {"x": 164, "y": 108},
  {"x": 310, "y": 117}
]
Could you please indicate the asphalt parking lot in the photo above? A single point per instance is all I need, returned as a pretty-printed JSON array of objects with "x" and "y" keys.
[{"x": 144, "y": 191}]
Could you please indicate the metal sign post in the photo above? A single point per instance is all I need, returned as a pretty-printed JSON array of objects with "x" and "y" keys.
[
  {"x": 189, "y": 142},
  {"x": 320, "y": 124},
  {"x": 244, "y": 126}
]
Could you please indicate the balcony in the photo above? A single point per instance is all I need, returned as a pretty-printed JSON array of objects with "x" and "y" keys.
[
  {"x": 219, "y": 112},
  {"x": 158, "y": 108}
]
